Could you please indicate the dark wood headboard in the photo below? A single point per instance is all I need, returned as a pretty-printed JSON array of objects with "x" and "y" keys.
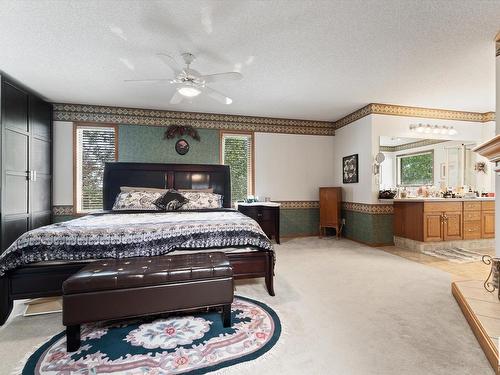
[{"x": 166, "y": 176}]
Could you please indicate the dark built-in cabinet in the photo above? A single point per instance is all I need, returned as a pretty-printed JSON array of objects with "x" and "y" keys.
[{"x": 26, "y": 162}]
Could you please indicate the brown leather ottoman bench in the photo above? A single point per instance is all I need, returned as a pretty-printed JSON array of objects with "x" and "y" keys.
[{"x": 132, "y": 287}]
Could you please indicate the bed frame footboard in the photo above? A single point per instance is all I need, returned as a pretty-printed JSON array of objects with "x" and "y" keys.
[
  {"x": 46, "y": 281},
  {"x": 6, "y": 301}
]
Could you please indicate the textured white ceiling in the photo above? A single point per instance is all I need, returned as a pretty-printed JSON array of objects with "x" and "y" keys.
[{"x": 300, "y": 59}]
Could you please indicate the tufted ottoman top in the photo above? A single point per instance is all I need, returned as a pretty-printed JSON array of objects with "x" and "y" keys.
[{"x": 111, "y": 274}]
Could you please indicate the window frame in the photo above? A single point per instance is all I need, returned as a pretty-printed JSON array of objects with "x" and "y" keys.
[
  {"x": 76, "y": 126},
  {"x": 251, "y": 134},
  {"x": 398, "y": 167}
]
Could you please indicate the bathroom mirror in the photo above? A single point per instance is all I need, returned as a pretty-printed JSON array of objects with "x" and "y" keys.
[{"x": 445, "y": 164}]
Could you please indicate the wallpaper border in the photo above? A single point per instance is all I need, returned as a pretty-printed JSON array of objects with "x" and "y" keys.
[
  {"x": 62, "y": 210},
  {"x": 367, "y": 208},
  {"x": 151, "y": 117},
  {"x": 288, "y": 205},
  {"x": 406, "y": 111}
]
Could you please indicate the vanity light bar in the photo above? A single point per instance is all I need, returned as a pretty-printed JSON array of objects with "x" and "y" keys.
[{"x": 433, "y": 129}]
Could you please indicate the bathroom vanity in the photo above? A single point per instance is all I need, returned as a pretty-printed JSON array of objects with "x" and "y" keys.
[{"x": 446, "y": 219}]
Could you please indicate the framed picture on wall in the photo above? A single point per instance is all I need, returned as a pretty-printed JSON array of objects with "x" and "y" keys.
[
  {"x": 350, "y": 169},
  {"x": 182, "y": 147}
]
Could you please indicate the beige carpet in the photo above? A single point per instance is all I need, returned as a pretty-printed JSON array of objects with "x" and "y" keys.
[{"x": 346, "y": 309}]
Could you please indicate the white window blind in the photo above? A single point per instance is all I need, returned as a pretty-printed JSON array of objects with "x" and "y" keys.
[
  {"x": 94, "y": 147},
  {"x": 237, "y": 152}
]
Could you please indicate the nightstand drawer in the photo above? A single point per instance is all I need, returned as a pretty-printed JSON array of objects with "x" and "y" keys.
[{"x": 249, "y": 211}]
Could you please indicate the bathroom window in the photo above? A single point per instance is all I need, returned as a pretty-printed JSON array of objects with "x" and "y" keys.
[{"x": 416, "y": 169}]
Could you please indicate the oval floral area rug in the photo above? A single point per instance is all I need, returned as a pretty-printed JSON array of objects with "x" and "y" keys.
[{"x": 176, "y": 344}]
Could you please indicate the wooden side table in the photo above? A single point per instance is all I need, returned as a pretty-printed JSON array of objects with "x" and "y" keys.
[{"x": 267, "y": 214}]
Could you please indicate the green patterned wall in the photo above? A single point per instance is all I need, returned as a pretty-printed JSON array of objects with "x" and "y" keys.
[
  {"x": 368, "y": 228},
  {"x": 146, "y": 144},
  {"x": 299, "y": 222}
]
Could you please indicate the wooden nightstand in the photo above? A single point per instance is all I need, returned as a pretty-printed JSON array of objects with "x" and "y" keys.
[{"x": 267, "y": 214}]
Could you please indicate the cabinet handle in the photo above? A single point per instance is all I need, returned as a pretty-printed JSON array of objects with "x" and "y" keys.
[{"x": 31, "y": 175}]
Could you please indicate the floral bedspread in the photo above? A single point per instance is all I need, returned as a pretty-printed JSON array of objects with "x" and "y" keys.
[{"x": 133, "y": 234}]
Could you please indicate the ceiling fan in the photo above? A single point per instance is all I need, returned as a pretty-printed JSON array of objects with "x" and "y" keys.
[{"x": 189, "y": 82}]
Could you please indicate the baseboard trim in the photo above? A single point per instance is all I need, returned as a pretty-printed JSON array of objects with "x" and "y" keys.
[
  {"x": 482, "y": 337},
  {"x": 376, "y": 244},
  {"x": 300, "y": 235}
]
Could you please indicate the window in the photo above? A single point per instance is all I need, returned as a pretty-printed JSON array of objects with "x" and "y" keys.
[
  {"x": 416, "y": 169},
  {"x": 237, "y": 152},
  {"x": 94, "y": 146}
]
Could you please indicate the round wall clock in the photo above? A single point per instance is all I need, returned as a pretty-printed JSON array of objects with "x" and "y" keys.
[{"x": 182, "y": 147}]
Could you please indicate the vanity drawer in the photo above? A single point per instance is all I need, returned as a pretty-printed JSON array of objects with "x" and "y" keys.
[
  {"x": 472, "y": 230},
  {"x": 472, "y": 206},
  {"x": 442, "y": 206},
  {"x": 488, "y": 205},
  {"x": 472, "y": 215}
]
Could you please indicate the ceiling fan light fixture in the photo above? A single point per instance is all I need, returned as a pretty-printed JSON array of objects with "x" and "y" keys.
[{"x": 189, "y": 91}]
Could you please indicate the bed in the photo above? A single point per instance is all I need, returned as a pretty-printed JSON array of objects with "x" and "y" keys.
[{"x": 45, "y": 278}]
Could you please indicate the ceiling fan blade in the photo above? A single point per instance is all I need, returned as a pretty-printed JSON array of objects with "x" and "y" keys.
[
  {"x": 153, "y": 80},
  {"x": 176, "y": 98},
  {"x": 217, "y": 95},
  {"x": 170, "y": 62},
  {"x": 228, "y": 76}
]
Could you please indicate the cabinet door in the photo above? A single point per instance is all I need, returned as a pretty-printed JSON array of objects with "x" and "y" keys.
[
  {"x": 15, "y": 150},
  {"x": 433, "y": 226},
  {"x": 488, "y": 224},
  {"x": 453, "y": 226},
  {"x": 329, "y": 199},
  {"x": 40, "y": 163}
]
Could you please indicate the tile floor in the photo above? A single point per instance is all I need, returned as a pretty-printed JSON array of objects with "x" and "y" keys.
[{"x": 458, "y": 271}]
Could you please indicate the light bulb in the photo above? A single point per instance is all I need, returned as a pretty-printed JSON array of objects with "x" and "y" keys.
[{"x": 189, "y": 91}]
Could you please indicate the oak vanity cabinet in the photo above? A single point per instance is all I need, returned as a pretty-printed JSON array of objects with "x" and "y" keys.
[
  {"x": 429, "y": 221},
  {"x": 442, "y": 221}
]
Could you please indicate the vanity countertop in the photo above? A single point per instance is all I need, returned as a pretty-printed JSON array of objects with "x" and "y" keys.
[{"x": 420, "y": 199}]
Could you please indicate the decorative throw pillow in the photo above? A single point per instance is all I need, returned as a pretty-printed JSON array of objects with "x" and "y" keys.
[
  {"x": 136, "y": 200},
  {"x": 200, "y": 200},
  {"x": 170, "y": 201}
]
